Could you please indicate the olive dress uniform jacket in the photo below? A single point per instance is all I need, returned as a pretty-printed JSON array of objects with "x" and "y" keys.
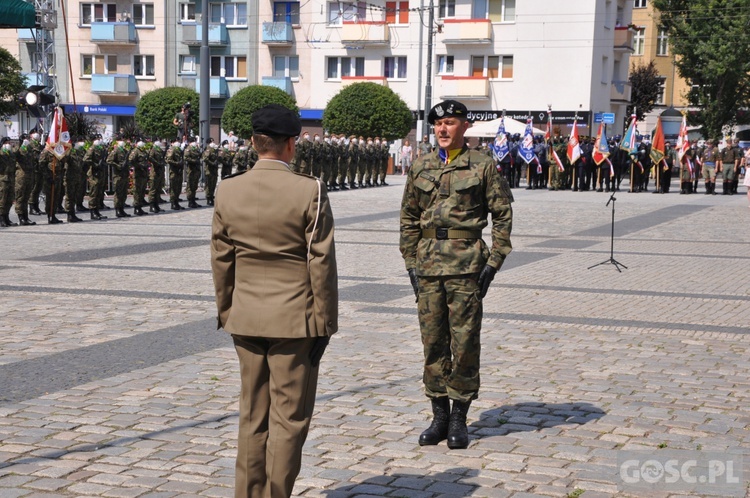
[{"x": 273, "y": 254}]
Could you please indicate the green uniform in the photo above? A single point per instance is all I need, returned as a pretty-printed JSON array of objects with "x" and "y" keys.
[
  {"x": 7, "y": 180},
  {"x": 192, "y": 157},
  {"x": 72, "y": 181},
  {"x": 211, "y": 165},
  {"x": 40, "y": 174},
  {"x": 26, "y": 166},
  {"x": 455, "y": 198},
  {"x": 239, "y": 160},
  {"x": 53, "y": 169},
  {"x": 157, "y": 161},
  {"x": 730, "y": 157},
  {"x": 174, "y": 159},
  {"x": 138, "y": 160},
  {"x": 117, "y": 160},
  {"x": 96, "y": 169}
]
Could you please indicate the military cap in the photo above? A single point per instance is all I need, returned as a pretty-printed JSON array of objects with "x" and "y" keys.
[
  {"x": 4, "y": 139},
  {"x": 446, "y": 109},
  {"x": 276, "y": 120}
]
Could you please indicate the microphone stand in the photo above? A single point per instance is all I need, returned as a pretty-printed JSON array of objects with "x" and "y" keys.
[{"x": 611, "y": 259}]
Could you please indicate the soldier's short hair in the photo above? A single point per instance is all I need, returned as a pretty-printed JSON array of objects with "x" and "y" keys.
[{"x": 264, "y": 144}]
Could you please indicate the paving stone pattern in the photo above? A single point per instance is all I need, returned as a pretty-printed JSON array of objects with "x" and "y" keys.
[{"x": 115, "y": 383}]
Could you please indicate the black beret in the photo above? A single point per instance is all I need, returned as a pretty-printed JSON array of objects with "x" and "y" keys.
[
  {"x": 445, "y": 109},
  {"x": 276, "y": 120}
]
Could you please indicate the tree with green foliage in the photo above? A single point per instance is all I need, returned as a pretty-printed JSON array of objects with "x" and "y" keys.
[
  {"x": 12, "y": 83},
  {"x": 644, "y": 86},
  {"x": 155, "y": 111},
  {"x": 243, "y": 104},
  {"x": 711, "y": 43},
  {"x": 369, "y": 110}
]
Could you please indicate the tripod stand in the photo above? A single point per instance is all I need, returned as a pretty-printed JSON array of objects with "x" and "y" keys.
[{"x": 611, "y": 259}]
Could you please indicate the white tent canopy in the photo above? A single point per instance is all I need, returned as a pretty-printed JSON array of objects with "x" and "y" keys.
[{"x": 489, "y": 128}]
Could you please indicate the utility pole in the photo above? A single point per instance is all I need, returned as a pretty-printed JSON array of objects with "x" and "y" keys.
[
  {"x": 428, "y": 85},
  {"x": 420, "y": 120},
  {"x": 204, "y": 116}
]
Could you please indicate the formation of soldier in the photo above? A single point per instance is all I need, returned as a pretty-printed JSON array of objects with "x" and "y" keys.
[{"x": 552, "y": 169}]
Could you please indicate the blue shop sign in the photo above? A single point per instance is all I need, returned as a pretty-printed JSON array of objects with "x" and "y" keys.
[
  {"x": 108, "y": 110},
  {"x": 311, "y": 114}
]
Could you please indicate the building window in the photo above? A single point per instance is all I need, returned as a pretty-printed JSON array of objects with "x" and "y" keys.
[
  {"x": 500, "y": 10},
  {"x": 230, "y": 67},
  {"x": 492, "y": 66},
  {"x": 342, "y": 67},
  {"x": 447, "y": 8},
  {"x": 98, "y": 64},
  {"x": 397, "y": 12},
  {"x": 509, "y": 11},
  {"x": 187, "y": 12},
  {"x": 143, "y": 14},
  {"x": 394, "y": 67},
  {"x": 231, "y": 14},
  {"x": 639, "y": 4},
  {"x": 662, "y": 42},
  {"x": 639, "y": 38},
  {"x": 340, "y": 12},
  {"x": 286, "y": 12},
  {"x": 98, "y": 12},
  {"x": 479, "y": 9},
  {"x": 188, "y": 64},
  {"x": 662, "y": 90},
  {"x": 143, "y": 65},
  {"x": 285, "y": 66},
  {"x": 445, "y": 64}
]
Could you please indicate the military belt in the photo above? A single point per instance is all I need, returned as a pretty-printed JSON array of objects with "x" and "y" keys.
[{"x": 450, "y": 233}]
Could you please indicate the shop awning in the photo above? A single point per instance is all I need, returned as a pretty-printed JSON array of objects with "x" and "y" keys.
[{"x": 17, "y": 14}]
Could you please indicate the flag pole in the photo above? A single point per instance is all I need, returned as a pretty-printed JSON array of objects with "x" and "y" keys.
[
  {"x": 575, "y": 123},
  {"x": 549, "y": 145}
]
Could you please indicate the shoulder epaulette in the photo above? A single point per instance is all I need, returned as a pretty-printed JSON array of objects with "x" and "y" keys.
[
  {"x": 306, "y": 175},
  {"x": 238, "y": 173}
]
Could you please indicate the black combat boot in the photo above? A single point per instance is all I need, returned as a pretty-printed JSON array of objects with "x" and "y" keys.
[
  {"x": 72, "y": 218},
  {"x": 383, "y": 183},
  {"x": 34, "y": 209},
  {"x": 94, "y": 213},
  {"x": 438, "y": 429},
  {"x": 176, "y": 206},
  {"x": 81, "y": 208},
  {"x": 353, "y": 185},
  {"x": 138, "y": 211},
  {"x": 343, "y": 186},
  {"x": 708, "y": 188},
  {"x": 120, "y": 213},
  {"x": 154, "y": 208},
  {"x": 193, "y": 204},
  {"x": 52, "y": 219},
  {"x": 458, "y": 435},
  {"x": 25, "y": 221}
]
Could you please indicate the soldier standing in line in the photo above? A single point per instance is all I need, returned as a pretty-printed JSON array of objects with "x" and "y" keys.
[
  {"x": 728, "y": 164},
  {"x": 330, "y": 165},
  {"x": 226, "y": 154},
  {"x": 54, "y": 169},
  {"x": 7, "y": 182},
  {"x": 211, "y": 170},
  {"x": 192, "y": 159},
  {"x": 362, "y": 162},
  {"x": 73, "y": 168},
  {"x": 82, "y": 178},
  {"x": 39, "y": 172},
  {"x": 252, "y": 156},
  {"x": 698, "y": 165},
  {"x": 740, "y": 153},
  {"x": 709, "y": 159},
  {"x": 96, "y": 168},
  {"x": 384, "y": 157},
  {"x": 239, "y": 160},
  {"x": 25, "y": 172},
  {"x": 138, "y": 160},
  {"x": 157, "y": 162},
  {"x": 316, "y": 157},
  {"x": 447, "y": 199},
  {"x": 370, "y": 161},
  {"x": 352, "y": 158},
  {"x": 342, "y": 162},
  {"x": 174, "y": 160},
  {"x": 303, "y": 155},
  {"x": 117, "y": 160},
  {"x": 377, "y": 157}
]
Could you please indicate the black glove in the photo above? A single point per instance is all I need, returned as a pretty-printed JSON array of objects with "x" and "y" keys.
[
  {"x": 316, "y": 353},
  {"x": 485, "y": 279},
  {"x": 414, "y": 282}
]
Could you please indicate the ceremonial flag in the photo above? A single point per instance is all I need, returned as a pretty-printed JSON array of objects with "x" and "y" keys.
[
  {"x": 657, "y": 146},
  {"x": 574, "y": 146},
  {"x": 601, "y": 147},
  {"x": 548, "y": 133},
  {"x": 526, "y": 150},
  {"x": 58, "y": 140},
  {"x": 683, "y": 146},
  {"x": 500, "y": 145},
  {"x": 628, "y": 140}
]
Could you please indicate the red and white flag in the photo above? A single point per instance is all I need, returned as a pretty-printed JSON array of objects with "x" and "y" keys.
[
  {"x": 683, "y": 146},
  {"x": 58, "y": 140},
  {"x": 574, "y": 147}
]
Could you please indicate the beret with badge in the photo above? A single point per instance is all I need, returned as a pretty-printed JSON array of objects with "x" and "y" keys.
[
  {"x": 447, "y": 108},
  {"x": 276, "y": 120}
]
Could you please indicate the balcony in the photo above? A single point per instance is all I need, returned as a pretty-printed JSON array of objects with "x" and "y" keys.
[
  {"x": 113, "y": 33},
  {"x": 620, "y": 92},
  {"x": 34, "y": 79},
  {"x": 365, "y": 33},
  {"x": 623, "y": 39},
  {"x": 192, "y": 34},
  {"x": 27, "y": 35},
  {"x": 278, "y": 33},
  {"x": 217, "y": 87},
  {"x": 113, "y": 84},
  {"x": 282, "y": 83},
  {"x": 467, "y": 32},
  {"x": 349, "y": 80},
  {"x": 465, "y": 87}
]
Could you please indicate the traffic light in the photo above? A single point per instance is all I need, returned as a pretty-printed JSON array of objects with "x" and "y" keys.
[{"x": 34, "y": 99}]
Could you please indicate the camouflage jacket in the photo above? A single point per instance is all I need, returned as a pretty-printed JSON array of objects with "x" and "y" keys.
[
  {"x": 458, "y": 195},
  {"x": 118, "y": 158},
  {"x": 252, "y": 157},
  {"x": 26, "y": 158},
  {"x": 92, "y": 160},
  {"x": 174, "y": 157},
  {"x": 192, "y": 156},
  {"x": 211, "y": 158},
  {"x": 239, "y": 161},
  {"x": 7, "y": 166},
  {"x": 156, "y": 158},
  {"x": 138, "y": 160}
]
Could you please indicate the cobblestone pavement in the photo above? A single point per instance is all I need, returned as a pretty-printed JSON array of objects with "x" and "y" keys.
[{"x": 114, "y": 383}]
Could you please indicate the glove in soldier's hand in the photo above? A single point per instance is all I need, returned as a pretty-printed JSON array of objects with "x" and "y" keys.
[
  {"x": 485, "y": 279},
  {"x": 316, "y": 353},
  {"x": 414, "y": 282}
]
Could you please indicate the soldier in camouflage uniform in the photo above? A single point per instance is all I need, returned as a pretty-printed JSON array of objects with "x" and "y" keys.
[
  {"x": 26, "y": 164},
  {"x": 352, "y": 161},
  {"x": 330, "y": 166},
  {"x": 385, "y": 154},
  {"x": 174, "y": 160},
  {"x": 252, "y": 156},
  {"x": 211, "y": 170},
  {"x": 7, "y": 181},
  {"x": 157, "y": 162},
  {"x": 447, "y": 198},
  {"x": 316, "y": 157},
  {"x": 96, "y": 168},
  {"x": 72, "y": 181},
  {"x": 53, "y": 181},
  {"x": 369, "y": 162},
  {"x": 239, "y": 160},
  {"x": 138, "y": 160},
  {"x": 82, "y": 178},
  {"x": 40, "y": 174},
  {"x": 192, "y": 158},
  {"x": 117, "y": 160},
  {"x": 302, "y": 162},
  {"x": 729, "y": 165}
]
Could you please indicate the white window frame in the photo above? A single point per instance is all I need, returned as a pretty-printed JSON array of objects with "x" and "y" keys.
[
  {"x": 640, "y": 4},
  {"x": 239, "y": 21},
  {"x": 347, "y": 12},
  {"x": 446, "y": 9},
  {"x": 443, "y": 62},
  {"x": 399, "y": 61},
  {"x": 226, "y": 61},
  {"x": 639, "y": 40},
  {"x": 504, "y": 13},
  {"x": 662, "y": 42},
  {"x": 143, "y": 7},
  {"x": 287, "y": 66},
  {"x": 188, "y": 58},
  {"x": 90, "y": 5},
  {"x": 486, "y": 67},
  {"x": 144, "y": 64},
  {"x": 661, "y": 96},
  {"x": 93, "y": 58},
  {"x": 183, "y": 12},
  {"x": 353, "y": 61}
]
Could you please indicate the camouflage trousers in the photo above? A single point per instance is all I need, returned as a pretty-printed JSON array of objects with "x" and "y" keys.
[
  {"x": 72, "y": 186},
  {"x": 24, "y": 185},
  {"x": 120, "y": 180},
  {"x": 140, "y": 184},
  {"x": 6, "y": 193},
  {"x": 212, "y": 173},
  {"x": 193, "y": 179},
  {"x": 450, "y": 320},
  {"x": 157, "y": 183},
  {"x": 97, "y": 183},
  {"x": 175, "y": 184}
]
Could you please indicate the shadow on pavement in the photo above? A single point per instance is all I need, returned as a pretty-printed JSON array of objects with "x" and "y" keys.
[
  {"x": 532, "y": 416},
  {"x": 444, "y": 483}
]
